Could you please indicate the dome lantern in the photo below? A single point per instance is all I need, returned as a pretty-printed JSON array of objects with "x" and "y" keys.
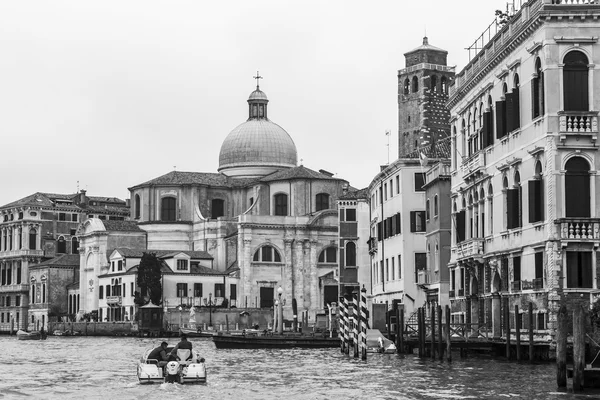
[{"x": 257, "y": 102}]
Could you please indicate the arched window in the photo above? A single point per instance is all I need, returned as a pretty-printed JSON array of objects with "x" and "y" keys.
[
  {"x": 444, "y": 85},
  {"x": 537, "y": 90},
  {"x": 168, "y": 209},
  {"x": 328, "y": 255},
  {"x": 32, "y": 239},
  {"x": 406, "y": 86},
  {"x": 513, "y": 108},
  {"x": 267, "y": 254},
  {"x": 61, "y": 245},
  {"x": 32, "y": 293},
  {"x": 427, "y": 205},
  {"x": 74, "y": 245},
  {"x": 137, "y": 206},
  {"x": 577, "y": 188},
  {"x": 435, "y": 205},
  {"x": 433, "y": 83},
  {"x": 415, "y": 84},
  {"x": 281, "y": 204},
  {"x": 322, "y": 202},
  {"x": 575, "y": 81},
  {"x": 350, "y": 254},
  {"x": 217, "y": 208},
  {"x": 536, "y": 196}
]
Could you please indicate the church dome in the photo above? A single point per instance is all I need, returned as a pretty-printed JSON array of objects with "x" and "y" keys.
[{"x": 257, "y": 147}]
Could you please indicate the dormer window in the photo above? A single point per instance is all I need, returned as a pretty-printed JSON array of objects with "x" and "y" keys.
[{"x": 182, "y": 265}]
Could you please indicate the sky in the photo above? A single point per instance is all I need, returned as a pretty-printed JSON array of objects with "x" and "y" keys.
[{"x": 104, "y": 95}]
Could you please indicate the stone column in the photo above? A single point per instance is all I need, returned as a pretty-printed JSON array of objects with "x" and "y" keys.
[
  {"x": 299, "y": 271},
  {"x": 287, "y": 275},
  {"x": 313, "y": 304},
  {"x": 245, "y": 265}
]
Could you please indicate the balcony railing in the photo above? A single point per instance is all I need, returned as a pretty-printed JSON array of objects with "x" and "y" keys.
[
  {"x": 575, "y": 2},
  {"x": 437, "y": 67},
  {"x": 516, "y": 286},
  {"x": 473, "y": 165},
  {"x": 21, "y": 287},
  {"x": 22, "y": 253},
  {"x": 538, "y": 283},
  {"x": 439, "y": 169},
  {"x": 422, "y": 277},
  {"x": 577, "y": 122},
  {"x": 579, "y": 228},
  {"x": 470, "y": 248},
  {"x": 113, "y": 299}
]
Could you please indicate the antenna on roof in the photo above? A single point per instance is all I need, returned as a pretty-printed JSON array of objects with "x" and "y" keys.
[
  {"x": 174, "y": 167},
  {"x": 77, "y": 186},
  {"x": 387, "y": 133}
]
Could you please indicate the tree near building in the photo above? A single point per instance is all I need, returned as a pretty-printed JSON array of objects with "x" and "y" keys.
[{"x": 149, "y": 280}]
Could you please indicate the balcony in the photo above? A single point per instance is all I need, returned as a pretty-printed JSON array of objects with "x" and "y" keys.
[
  {"x": 470, "y": 248},
  {"x": 435, "y": 67},
  {"x": 538, "y": 283},
  {"x": 437, "y": 171},
  {"x": 422, "y": 278},
  {"x": 114, "y": 300},
  {"x": 21, "y": 253},
  {"x": 372, "y": 242},
  {"x": 579, "y": 229},
  {"x": 474, "y": 166},
  {"x": 21, "y": 287}
]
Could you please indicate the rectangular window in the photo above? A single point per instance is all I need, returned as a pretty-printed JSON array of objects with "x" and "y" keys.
[
  {"x": 397, "y": 184},
  {"x": 420, "y": 264},
  {"x": 132, "y": 289},
  {"x": 417, "y": 221},
  {"x": 182, "y": 290},
  {"x": 385, "y": 193},
  {"x": 393, "y": 268},
  {"x": 62, "y": 216},
  {"x": 516, "y": 273},
  {"x": 399, "y": 268},
  {"x": 233, "y": 291},
  {"x": 541, "y": 321},
  {"x": 182, "y": 265},
  {"x": 107, "y": 290},
  {"x": 398, "y": 224},
  {"x": 391, "y": 188},
  {"x": 17, "y": 301},
  {"x": 120, "y": 265},
  {"x": 350, "y": 214},
  {"x": 579, "y": 269},
  {"x": 219, "y": 290},
  {"x": 539, "y": 270},
  {"x": 387, "y": 269},
  {"x": 101, "y": 292},
  {"x": 74, "y": 217},
  {"x": 419, "y": 181},
  {"x": 7, "y": 301},
  {"x": 197, "y": 290}
]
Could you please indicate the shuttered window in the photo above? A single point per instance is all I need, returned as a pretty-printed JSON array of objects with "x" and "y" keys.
[
  {"x": 536, "y": 201},
  {"x": 579, "y": 269},
  {"x": 575, "y": 82},
  {"x": 500, "y": 119},
  {"x": 577, "y": 188},
  {"x": 460, "y": 226}
]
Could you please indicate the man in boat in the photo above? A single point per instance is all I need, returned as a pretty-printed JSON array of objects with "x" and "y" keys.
[
  {"x": 183, "y": 344},
  {"x": 160, "y": 354}
]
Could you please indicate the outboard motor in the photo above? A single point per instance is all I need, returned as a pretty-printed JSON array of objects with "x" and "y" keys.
[{"x": 172, "y": 370}]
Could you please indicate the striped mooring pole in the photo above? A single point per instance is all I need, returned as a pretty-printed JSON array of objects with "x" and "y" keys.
[
  {"x": 342, "y": 326},
  {"x": 363, "y": 323},
  {"x": 347, "y": 332},
  {"x": 355, "y": 324}
]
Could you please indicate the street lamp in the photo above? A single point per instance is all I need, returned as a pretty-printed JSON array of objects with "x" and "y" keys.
[
  {"x": 210, "y": 309},
  {"x": 180, "y": 317},
  {"x": 280, "y": 312}
]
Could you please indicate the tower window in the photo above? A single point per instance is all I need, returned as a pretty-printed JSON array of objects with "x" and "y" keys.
[
  {"x": 281, "y": 206},
  {"x": 322, "y": 202},
  {"x": 217, "y": 208},
  {"x": 167, "y": 209},
  {"x": 137, "y": 206},
  {"x": 415, "y": 84}
]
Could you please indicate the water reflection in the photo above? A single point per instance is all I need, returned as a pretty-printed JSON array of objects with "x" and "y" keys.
[{"x": 104, "y": 368}]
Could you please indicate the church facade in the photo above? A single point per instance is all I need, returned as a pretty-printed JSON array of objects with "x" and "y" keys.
[{"x": 266, "y": 221}]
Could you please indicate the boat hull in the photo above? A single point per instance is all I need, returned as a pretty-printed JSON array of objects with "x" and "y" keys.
[
  {"x": 22, "y": 335},
  {"x": 273, "y": 342}
]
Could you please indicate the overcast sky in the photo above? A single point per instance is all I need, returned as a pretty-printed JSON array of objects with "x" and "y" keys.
[{"x": 114, "y": 93}]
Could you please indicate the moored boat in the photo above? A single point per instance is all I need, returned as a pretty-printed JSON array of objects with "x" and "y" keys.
[
  {"x": 268, "y": 341},
  {"x": 198, "y": 332},
  {"x": 33, "y": 335},
  {"x": 377, "y": 343},
  {"x": 180, "y": 370}
]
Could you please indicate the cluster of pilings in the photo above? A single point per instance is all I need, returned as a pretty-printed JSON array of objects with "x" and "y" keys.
[
  {"x": 353, "y": 325},
  {"x": 562, "y": 331}
]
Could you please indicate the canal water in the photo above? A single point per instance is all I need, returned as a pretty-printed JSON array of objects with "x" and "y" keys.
[{"x": 105, "y": 368}]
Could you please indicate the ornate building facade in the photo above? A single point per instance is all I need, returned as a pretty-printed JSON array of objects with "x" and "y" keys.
[{"x": 524, "y": 161}]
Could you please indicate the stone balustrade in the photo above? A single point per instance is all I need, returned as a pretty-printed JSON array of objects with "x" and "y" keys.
[
  {"x": 579, "y": 228},
  {"x": 578, "y": 123}
]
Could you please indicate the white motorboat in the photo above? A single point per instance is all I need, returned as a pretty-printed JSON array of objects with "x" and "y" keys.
[
  {"x": 377, "y": 343},
  {"x": 182, "y": 370}
]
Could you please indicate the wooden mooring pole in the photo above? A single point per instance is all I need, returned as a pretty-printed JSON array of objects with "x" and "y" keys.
[
  {"x": 363, "y": 323},
  {"x": 507, "y": 326},
  {"x": 440, "y": 337},
  {"x": 432, "y": 309},
  {"x": 518, "y": 331},
  {"x": 341, "y": 324},
  {"x": 399, "y": 330},
  {"x": 448, "y": 336},
  {"x": 355, "y": 322},
  {"x": 420, "y": 329},
  {"x": 578, "y": 348},
  {"x": 531, "y": 350},
  {"x": 561, "y": 347}
]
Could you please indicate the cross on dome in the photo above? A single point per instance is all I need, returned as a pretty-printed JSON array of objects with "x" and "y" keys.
[{"x": 257, "y": 77}]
